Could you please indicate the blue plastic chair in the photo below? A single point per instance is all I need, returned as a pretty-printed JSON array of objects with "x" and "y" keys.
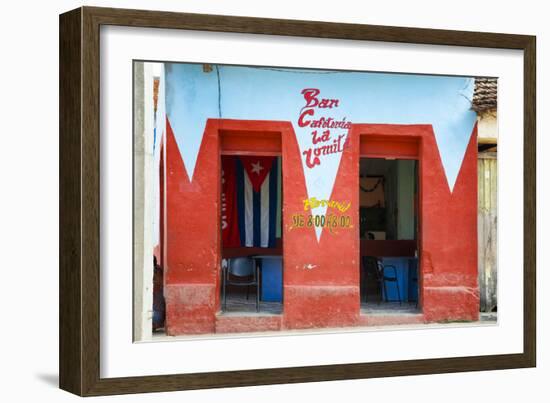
[{"x": 388, "y": 277}]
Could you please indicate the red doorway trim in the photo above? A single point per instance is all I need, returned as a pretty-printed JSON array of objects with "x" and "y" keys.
[
  {"x": 245, "y": 137},
  {"x": 391, "y": 141},
  {"x": 251, "y": 137}
]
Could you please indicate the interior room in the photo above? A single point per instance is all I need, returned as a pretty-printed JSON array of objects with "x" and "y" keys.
[
  {"x": 389, "y": 222},
  {"x": 252, "y": 268}
]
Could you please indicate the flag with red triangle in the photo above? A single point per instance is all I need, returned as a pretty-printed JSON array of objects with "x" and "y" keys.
[{"x": 257, "y": 169}]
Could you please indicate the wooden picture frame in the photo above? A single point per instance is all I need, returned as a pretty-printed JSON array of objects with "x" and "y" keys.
[{"x": 79, "y": 346}]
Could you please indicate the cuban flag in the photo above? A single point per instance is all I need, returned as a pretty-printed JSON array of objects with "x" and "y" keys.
[{"x": 255, "y": 201}]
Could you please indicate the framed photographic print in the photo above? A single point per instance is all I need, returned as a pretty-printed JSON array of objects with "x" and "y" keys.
[{"x": 250, "y": 201}]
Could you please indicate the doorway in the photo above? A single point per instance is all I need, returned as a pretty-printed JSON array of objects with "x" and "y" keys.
[
  {"x": 251, "y": 275},
  {"x": 389, "y": 232}
]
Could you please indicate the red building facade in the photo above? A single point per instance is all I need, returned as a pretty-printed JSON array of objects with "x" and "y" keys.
[{"x": 321, "y": 278}]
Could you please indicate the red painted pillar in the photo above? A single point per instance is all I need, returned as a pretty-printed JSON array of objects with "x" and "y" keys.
[
  {"x": 449, "y": 281},
  {"x": 321, "y": 279},
  {"x": 192, "y": 238}
]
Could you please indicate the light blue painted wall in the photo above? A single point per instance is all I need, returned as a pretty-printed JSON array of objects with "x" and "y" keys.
[{"x": 192, "y": 96}]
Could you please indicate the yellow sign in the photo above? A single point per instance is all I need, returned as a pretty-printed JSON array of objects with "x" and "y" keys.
[
  {"x": 330, "y": 221},
  {"x": 313, "y": 202}
]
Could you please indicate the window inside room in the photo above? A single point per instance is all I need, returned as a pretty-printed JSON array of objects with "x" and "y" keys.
[{"x": 387, "y": 199}]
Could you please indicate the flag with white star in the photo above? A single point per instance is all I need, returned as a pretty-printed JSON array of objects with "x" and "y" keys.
[
  {"x": 256, "y": 189},
  {"x": 257, "y": 169}
]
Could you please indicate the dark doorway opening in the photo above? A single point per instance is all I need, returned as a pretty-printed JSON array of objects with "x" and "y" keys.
[
  {"x": 389, "y": 228},
  {"x": 252, "y": 268}
]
